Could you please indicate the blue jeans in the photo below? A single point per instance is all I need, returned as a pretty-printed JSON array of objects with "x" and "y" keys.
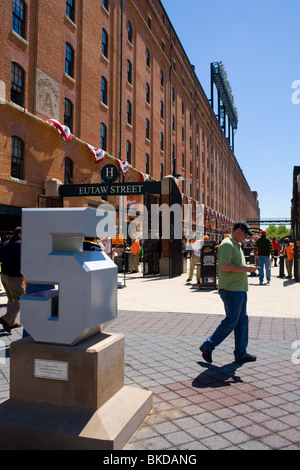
[
  {"x": 235, "y": 304},
  {"x": 264, "y": 261}
]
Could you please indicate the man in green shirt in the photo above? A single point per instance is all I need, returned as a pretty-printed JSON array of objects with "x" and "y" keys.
[{"x": 233, "y": 287}]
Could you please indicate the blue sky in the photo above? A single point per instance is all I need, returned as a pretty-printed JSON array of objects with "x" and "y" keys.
[{"x": 258, "y": 42}]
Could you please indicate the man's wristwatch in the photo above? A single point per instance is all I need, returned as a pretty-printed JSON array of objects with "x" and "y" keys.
[{"x": 245, "y": 268}]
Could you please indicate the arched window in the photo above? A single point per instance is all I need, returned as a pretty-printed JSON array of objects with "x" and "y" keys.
[
  {"x": 104, "y": 90},
  {"x": 128, "y": 151},
  {"x": 161, "y": 109},
  {"x": 129, "y": 72},
  {"x": 148, "y": 58},
  {"x": 69, "y": 60},
  {"x": 104, "y": 43},
  {"x": 161, "y": 171},
  {"x": 129, "y": 32},
  {"x": 17, "y": 157},
  {"x": 68, "y": 114},
  {"x": 161, "y": 78},
  {"x": 148, "y": 93},
  {"x": 128, "y": 112},
  {"x": 17, "y": 84},
  {"x": 69, "y": 170},
  {"x": 103, "y": 137},
  {"x": 161, "y": 141}
]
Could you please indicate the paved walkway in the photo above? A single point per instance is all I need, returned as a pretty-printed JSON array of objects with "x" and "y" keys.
[{"x": 198, "y": 405}]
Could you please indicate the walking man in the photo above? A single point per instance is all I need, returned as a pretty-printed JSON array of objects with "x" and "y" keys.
[
  {"x": 233, "y": 287},
  {"x": 12, "y": 279},
  {"x": 263, "y": 248}
]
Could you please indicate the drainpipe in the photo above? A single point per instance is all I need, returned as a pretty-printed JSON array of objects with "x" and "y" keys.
[
  {"x": 171, "y": 61},
  {"x": 121, "y": 77}
]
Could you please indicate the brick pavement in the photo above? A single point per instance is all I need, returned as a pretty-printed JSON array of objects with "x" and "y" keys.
[
  {"x": 198, "y": 405},
  {"x": 212, "y": 406}
]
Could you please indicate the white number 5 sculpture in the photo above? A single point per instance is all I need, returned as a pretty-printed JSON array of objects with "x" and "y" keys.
[{"x": 86, "y": 297}]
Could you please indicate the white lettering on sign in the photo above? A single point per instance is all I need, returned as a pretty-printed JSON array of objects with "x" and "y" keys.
[{"x": 54, "y": 370}]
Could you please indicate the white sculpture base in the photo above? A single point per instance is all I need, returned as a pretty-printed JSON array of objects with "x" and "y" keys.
[{"x": 82, "y": 405}]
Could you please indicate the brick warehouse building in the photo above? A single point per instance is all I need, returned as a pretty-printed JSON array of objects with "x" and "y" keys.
[{"x": 62, "y": 60}]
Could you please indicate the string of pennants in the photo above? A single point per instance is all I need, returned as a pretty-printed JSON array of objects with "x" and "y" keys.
[{"x": 99, "y": 154}]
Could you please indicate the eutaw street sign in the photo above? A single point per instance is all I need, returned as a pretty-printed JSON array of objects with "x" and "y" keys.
[{"x": 114, "y": 189}]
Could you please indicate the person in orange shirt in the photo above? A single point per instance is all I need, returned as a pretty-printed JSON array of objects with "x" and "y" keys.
[
  {"x": 135, "y": 250},
  {"x": 288, "y": 252}
]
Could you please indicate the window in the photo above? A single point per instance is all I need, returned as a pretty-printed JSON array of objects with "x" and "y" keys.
[
  {"x": 128, "y": 112},
  {"x": 161, "y": 78},
  {"x": 129, "y": 32},
  {"x": 173, "y": 95},
  {"x": 69, "y": 170},
  {"x": 147, "y": 129},
  {"x": 129, "y": 72},
  {"x": 69, "y": 60},
  {"x": 161, "y": 171},
  {"x": 161, "y": 110},
  {"x": 147, "y": 169},
  {"x": 68, "y": 114},
  {"x": 17, "y": 84},
  {"x": 173, "y": 123},
  {"x": 182, "y": 134},
  {"x": 104, "y": 90},
  {"x": 17, "y": 157},
  {"x": 103, "y": 137},
  {"x": 70, "y": 9},
  {"x": 161, "y": 141},
  {"x": 128, "y": 151},
  {"x": 148, "y": 58},
  {"x": 19, "y": 17},
  {"x": 105, "y": 4},
  {"x": 104, "y": 43},
  {"x": 182, "y": 108},
  {"x": 148, "y": 93}
]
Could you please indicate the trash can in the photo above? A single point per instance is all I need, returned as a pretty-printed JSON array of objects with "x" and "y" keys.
[
  {"x": 281, "y": 266},
  {"x": 208, "y": 278}
]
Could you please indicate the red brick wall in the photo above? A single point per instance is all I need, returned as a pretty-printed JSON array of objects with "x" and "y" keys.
[{"x": 220, "y": 179}]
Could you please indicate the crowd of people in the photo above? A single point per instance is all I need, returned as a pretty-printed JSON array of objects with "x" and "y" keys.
[{"x": 267, "y": 251}]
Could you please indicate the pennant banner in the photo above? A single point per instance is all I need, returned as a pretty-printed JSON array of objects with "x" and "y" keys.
[
  {"x": 63, "y": 130},
  {"x": 144, "y": 177},
  {"x": 124, "y": 166},
  {"x": 99, "y": 154}
]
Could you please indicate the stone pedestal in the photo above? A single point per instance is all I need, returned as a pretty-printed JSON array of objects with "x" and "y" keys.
[{"x": 64, "y": 397}]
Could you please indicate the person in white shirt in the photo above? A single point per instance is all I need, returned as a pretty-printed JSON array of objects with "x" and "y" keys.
[{"x": 195, "y": 260}]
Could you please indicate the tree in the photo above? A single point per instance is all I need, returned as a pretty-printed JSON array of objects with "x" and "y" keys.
[
  {"x": 278, "y": 232},
  {"x": 272, "y": 231}
]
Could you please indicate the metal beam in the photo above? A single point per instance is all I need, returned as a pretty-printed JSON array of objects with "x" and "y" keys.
[{"x": 269, "y": 222}]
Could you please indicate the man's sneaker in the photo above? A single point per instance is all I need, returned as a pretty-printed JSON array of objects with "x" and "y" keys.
[
  {"x": 247, "y": 358},
  {"x": 188, "y": 280},
  {"x": 206, "y": 354}
]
